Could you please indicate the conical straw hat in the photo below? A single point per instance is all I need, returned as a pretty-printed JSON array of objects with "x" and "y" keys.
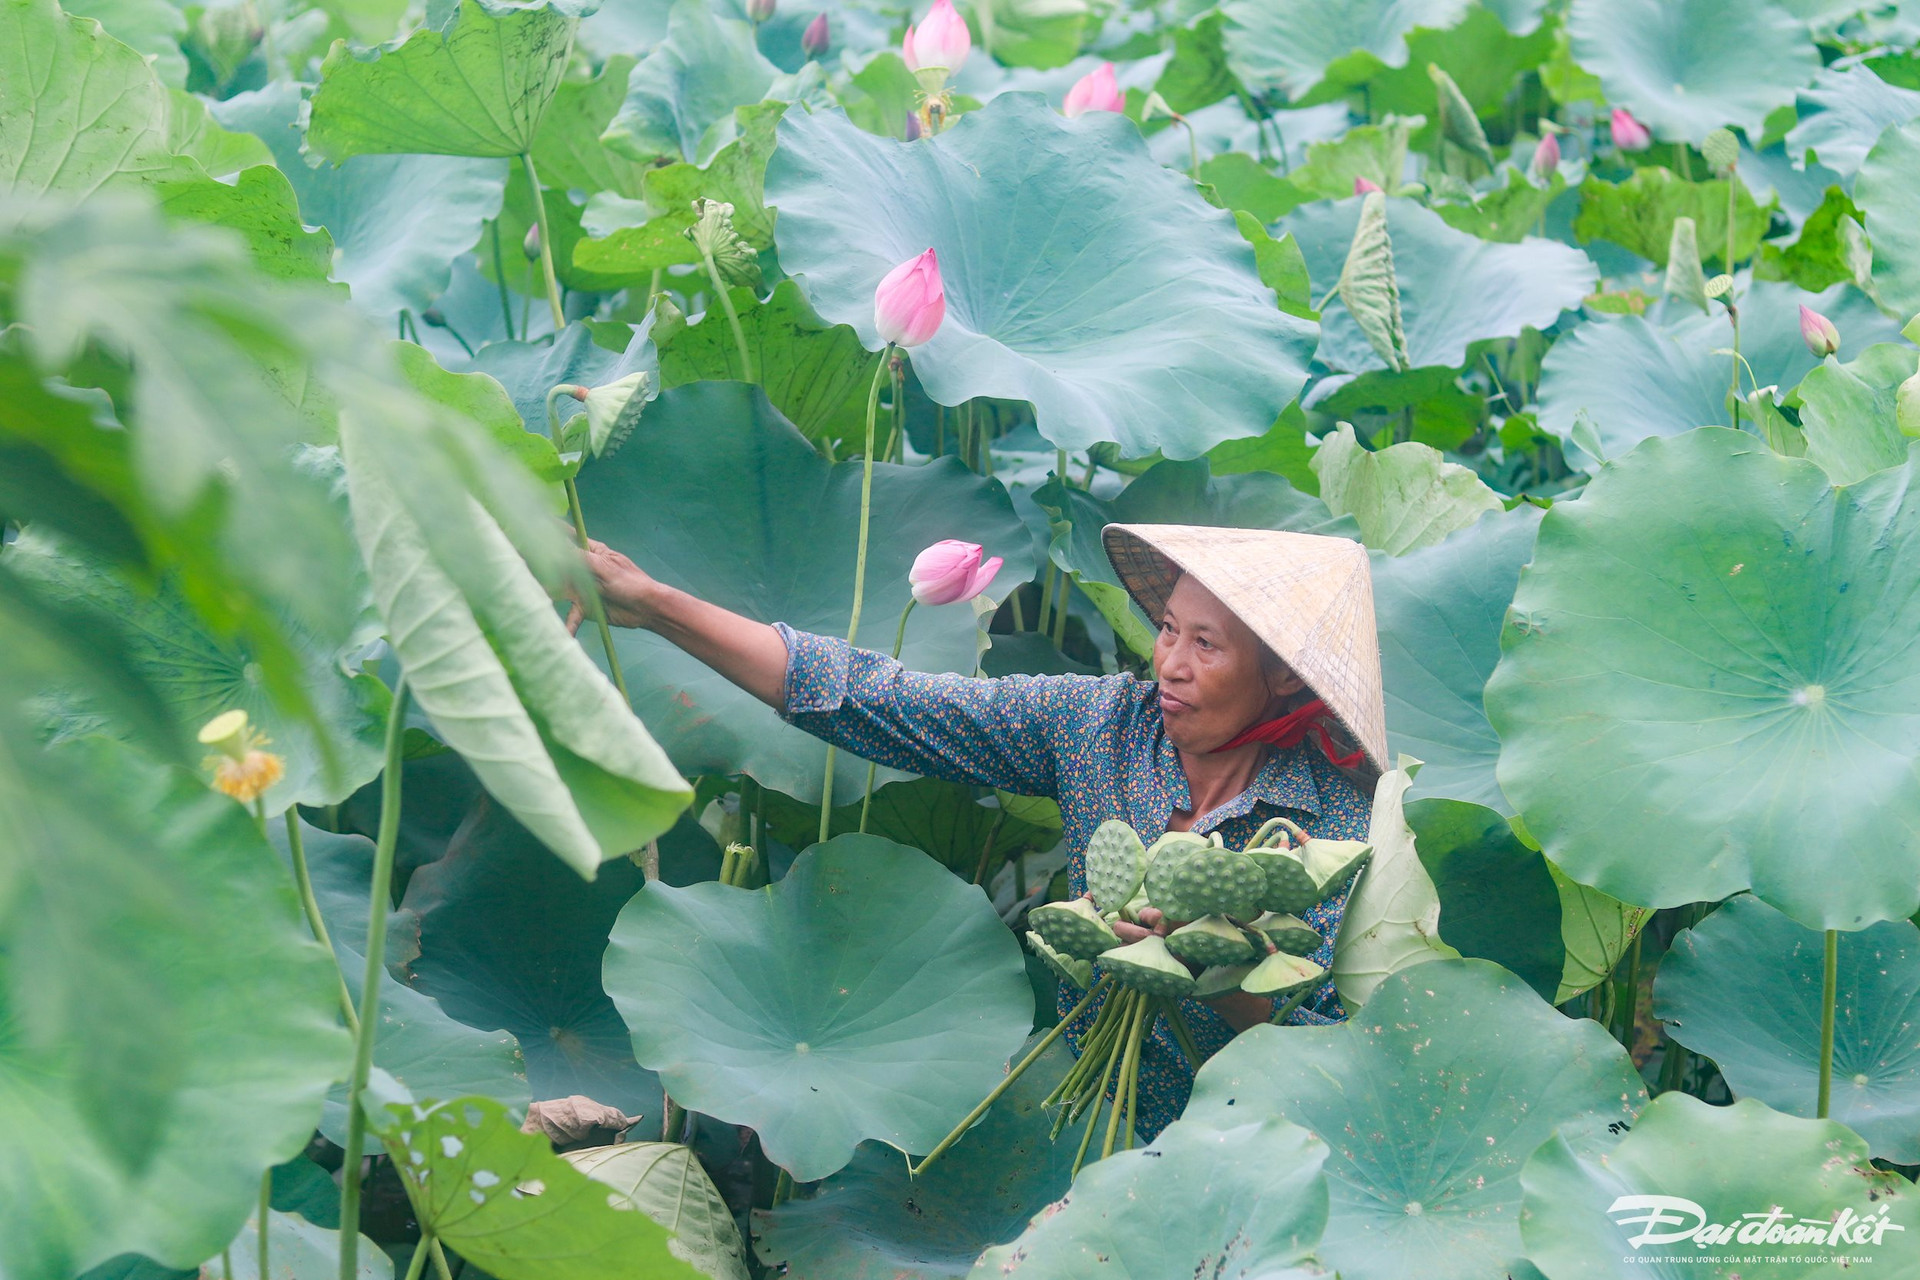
[{"x": 1309, "y": 597}]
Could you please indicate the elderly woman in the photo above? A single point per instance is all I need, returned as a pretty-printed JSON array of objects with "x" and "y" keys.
[{"x": 1267, "y": 703}]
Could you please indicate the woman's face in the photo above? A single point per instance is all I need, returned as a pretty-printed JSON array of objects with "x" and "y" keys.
[{"x": 1213, "y": 682}]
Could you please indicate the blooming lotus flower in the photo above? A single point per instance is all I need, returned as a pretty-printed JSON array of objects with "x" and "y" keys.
[
  {"x": 941, "y": 40},
  {"x": 240, "y": 768},
  {"x": 1629, "y": 134},
  {"x": 950, "y": 571},
  {"x": 1818, "y": 332},
  {"x": 911, "y": 301},
  {"x": 760, "y": 10},
  {"x": 1361, "y": 186},
  {"x": 1095, "y": 91},
  {"x": 1546, "y": 157},
  {"x": 813, "y": 41}
]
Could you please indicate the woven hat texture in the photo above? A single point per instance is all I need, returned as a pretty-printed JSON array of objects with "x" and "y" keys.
[{"x": 1308, "y": 596}]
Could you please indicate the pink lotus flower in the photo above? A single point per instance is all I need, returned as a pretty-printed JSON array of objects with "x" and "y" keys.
[
  {"x": 1629, "y": 134},
  {"x": 911, "y": 301},
  {"x": 1361, "y": 186},
  {"x": 1094, "y": 91},
  {"x": 950, "y": 571},
  {"x": 1818, "y": 333},
  {"x": 1546, "y": 157},
  {"x": 813, "y": 41},
  {"x": 760, "y": 10},
  {"x": 941, "y": 40}
]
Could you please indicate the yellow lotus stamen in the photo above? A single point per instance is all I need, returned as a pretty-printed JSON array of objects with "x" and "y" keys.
[{"x": 241, "y": 769}]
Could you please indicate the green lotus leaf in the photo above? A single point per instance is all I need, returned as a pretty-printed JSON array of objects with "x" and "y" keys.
[
  {"x": 1843, "y": 113},
  {"x": 941, "y": 819},
  {"x": 116, "y": 1142},
  {"x": 1174, "y": 345},
  {"x": 1196, "y": 74},
  {"x": 1439, "y": 610},
  {"x": 260, "y": 205},
  {"x": 1033, "y": 33},
  {"x": 1831, "y": 248},
  {"x": 1293, "y": 46},
  {"x": 476, "y": 86},
  {"x": 1848, "y": 412},
  {"x": 1184, "y": 1205},
  {"x": 785, "y": 553},
  {"x": 1638, "y": 215},
  {"x": 873, "y": 1221},
  {"x": 1743, "y": 987},
  {"x": 1498, "y": 901},
  {"x": 1403, "y": 497},
  {"x": 1629, "y": 378},
  {"x": 867, "y": 994},
  {"x": 1392, "y": 919},
  {"x": 568, "y": 150},
  {"x": 689, "y": 84},
  {"x": 298, "y": 1250},
  {"x": 152, "y": 28},
  {"x": 1688, "y": 67},
  {"x": 397, "y": 222},
  {"x": 1887, "y": 185},
  {"x": 1455, "y": 290},
  {"x": 507, "y": 1203},
  {"x": 619, "y": 27},
  {"x": 1485, "y": 52},
  {"x": 193, "y": 132},
  {"x": 1456, "y": 1063},
  {"x": 481, "y": 399},
  {"x": 1596, "y": 930},
  {"x": 664, "y": 1180},
  {"x": 1721, "y": 1164},
  {"x": 1508, "y": 214},
  {"x": 492, "y": 665},
  {"x": 1721, "y": 679}
]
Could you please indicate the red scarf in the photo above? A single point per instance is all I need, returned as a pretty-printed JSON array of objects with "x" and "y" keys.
[{"x": 1291, "y": 729}]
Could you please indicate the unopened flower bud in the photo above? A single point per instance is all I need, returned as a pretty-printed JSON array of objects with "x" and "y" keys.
[
  {"x": 911, "y": 301},
  {"x": 940, "y": 43},
  {"x": 1546, "y": 157},
  {"x": 1818, "y": 333},
  {"x": 1628, "y": 134},
  {"x": 530, "y": 245},
  {"x": 434, "y": 318},
  {"x": 814, "y": 40},
  {"x": 1095, "y": 91},
  {"x": 1362, "y": 186},
  {"x": 760, "y": 10}
]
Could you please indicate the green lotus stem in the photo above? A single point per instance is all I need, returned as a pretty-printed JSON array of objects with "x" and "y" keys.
[
  {"x": 546, "y": 244},
  {"x": 1150, "y": 1013},
  {"x": 595, "y": 606},
  {"x": 266, "y": 1207},
  {"x": 1266, "y": 828},
  {"x": 1182, "y": 1033},
  {"x": 379, "y": 902},
  {"x": 1129, "y": 1071},
  {"x": 500, "y": 278},
  {"x": 1111, "y": 1066},
  {"x": 226, "y": 1263},
  {"x": 733, "y": 317},
  {"x": 1092, "y": 1045},
  {"x": 420, "y": 1252},
  {"x": 986, "y": 849},
  {"x": 1013, "y": 1074},
  {"x": 859, "y": 561},
  {"x": 1294, "y": 1001},
  {"x": 440, "y": 1267},
  {"x": 899, "y": 639},
  {"x": 1829, "y": 991},
  {"x": 1632, "y": 994},
  {"x": 782, "y": 1188},
  {"x": 303, "y": 879},
  {"x": 1673, "y": 1066},
  {"x": 727, "y": 859},
  {"x": 1060, "y": 610},
  {"x": 1042, "y": 621}
]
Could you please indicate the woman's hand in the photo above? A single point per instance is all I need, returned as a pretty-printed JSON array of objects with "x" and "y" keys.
[
  {"x": 625, "y": 588},
  {"x": 1238, "y": 1008},
  {"x": 1151, "y": 922}
]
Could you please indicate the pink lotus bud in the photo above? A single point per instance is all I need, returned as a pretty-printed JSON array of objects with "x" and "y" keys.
[
  {"x": 910, "y": 302},
  {"x": 1818, "y": 333},
  {"x": 1629, "y": 134},
  {"x": 941, "y": 40},
  {"x": 760, "y": 10},
  {"x": 1546, "y": 157},
  {"x": 1094, "y": 91},
  {"x": 1361, "y": 186},
  {"x": 950, "y": 571},
  {"x": 813, "y": 41}
]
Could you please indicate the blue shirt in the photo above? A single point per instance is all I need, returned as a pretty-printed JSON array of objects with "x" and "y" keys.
[{"x": 1097, "y": 746}]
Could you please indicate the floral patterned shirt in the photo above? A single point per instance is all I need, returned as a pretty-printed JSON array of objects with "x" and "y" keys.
[{"x": 1096, "y": 745}]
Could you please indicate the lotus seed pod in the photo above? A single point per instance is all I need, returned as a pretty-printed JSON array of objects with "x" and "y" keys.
[
  {"x": 1116, "y": 864},
  {"x": 713, "y": 235},
  {"x": 1332, "y": 863},
  {"x": 1210, "y": 940},
  {"x": 1165, "y": 885},
  {"x": 1073, "y": 928},
  {"x": 1218, "y": 882},
  {"x": 1077, "y": 972},
  {"x": 1288, "y": 932},
  {"x": 1147, "y": 966},
  {"x": 1906, "y": 406},
  {"x": 1721, "y": 149},
  {"x": 1290, "y": 887},
  {"x": 1220, "y": 980},
  {"x": 1281, "y": 975}
]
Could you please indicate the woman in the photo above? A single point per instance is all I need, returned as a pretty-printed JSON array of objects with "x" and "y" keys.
[{"x": 1267, "y": 703}]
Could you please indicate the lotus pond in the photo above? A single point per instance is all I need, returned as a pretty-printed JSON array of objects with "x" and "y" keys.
[{"x": 358, "y": 919}]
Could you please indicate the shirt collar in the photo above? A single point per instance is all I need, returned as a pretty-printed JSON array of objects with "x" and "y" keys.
[{"x": 1284, "y": 781}]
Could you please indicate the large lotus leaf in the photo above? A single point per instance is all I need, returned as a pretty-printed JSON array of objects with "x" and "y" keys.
[
  {"x": 567, "y": 148},
  {"x": 719, "y": 495},
  {"x": 1688, "y": 67},
  {"x": 143, "y": 1089},
  {"x": 1439, "y": 610},
  {"x": 397, "y": 222},
  {"x": 690, "y": 83},
  {"x": 1454, "y": 289},
  {"x": 492, "y": 665},
  {"x": 941, "y": 819},
  {"x": 260, "y": 205},
  {"x": 866, "y": 994},
  {"x": 1403, "y": 497},
  {"x": 1695, "y": 1164},
  {"x": 664, "y": 1180},
  {"x": 1172, "y": 344},
  {"x": 1392, "y": 920},
  {"x": 1292, "y": 45},
  {"x": 481, "y": 399},
  {"x": 1498, "y": 901},
  {"x": 507, "y": 1203},
  {"x": 1431, "y": 1099},
  {"x": 1631, "y": 378},
  {"x": 1743, "y": 987},
  {"x": 1706, "y": 693},
  {"x": 1848, "y": 412},
  {"x": 297, "y": 1250},
  {"x": 1843, "y": 113},
  {"x": 1889, "y": 182},
  {"x": 873, "y": 1221},
  {"x": 1596, "y": 930},
  {"x": 193, "y": 132},
  {"x": 1638, "y": 215},
  {"x": 477, "y": 86},
  {"x": 1033, "y": 33},
  {"x": 1184, "y": 1206},
  {"x": 1483, "y": 53},
  {"x": 152, "y": 28}
]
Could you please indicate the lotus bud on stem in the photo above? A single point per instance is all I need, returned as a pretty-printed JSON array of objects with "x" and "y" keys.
[
  {"x": 814, "y": 40},
  {"x": 1095, "y": 91},
  {"x": 1156, "y": 106}
]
